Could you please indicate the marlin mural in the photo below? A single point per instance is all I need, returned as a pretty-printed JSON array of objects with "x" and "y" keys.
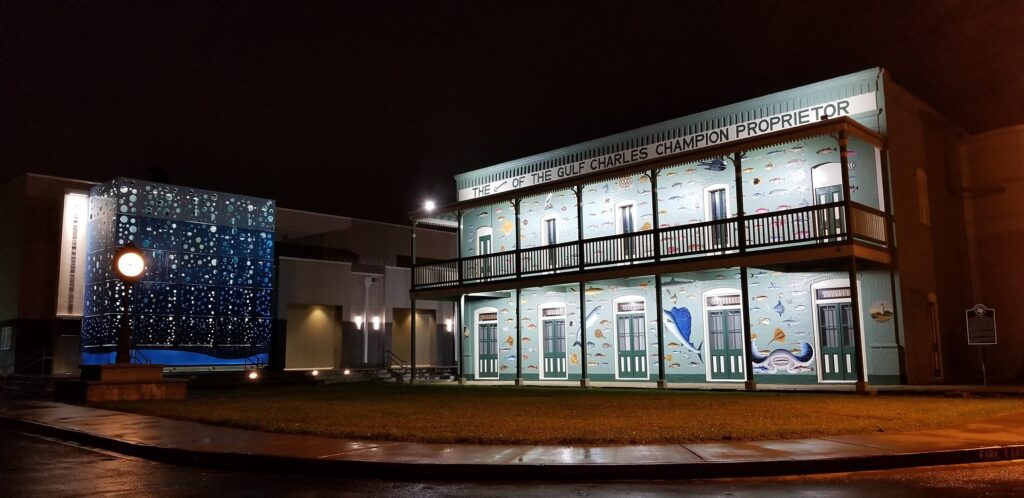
[
  {"x": 714, "y": 164},
  {"x": 679, "y": 321},
  {"x": 591, "y": 317},
  {"x": 782, "y": 358}
]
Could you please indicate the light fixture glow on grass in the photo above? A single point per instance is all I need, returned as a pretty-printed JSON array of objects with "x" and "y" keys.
[{"x": 253, "y": 375}]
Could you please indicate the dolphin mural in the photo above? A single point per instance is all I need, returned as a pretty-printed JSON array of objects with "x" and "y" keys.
[
  {"x": 679, "y": 321},
  {"x": 591, "y": 317},
  {"x": 781, "y": 358}
]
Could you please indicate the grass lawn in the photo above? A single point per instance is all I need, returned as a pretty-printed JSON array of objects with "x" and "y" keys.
[{"x": 537, "y": 415}]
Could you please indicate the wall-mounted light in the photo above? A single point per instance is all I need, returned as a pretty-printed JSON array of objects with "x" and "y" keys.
[
  {"x": 376, "y": 323},
  {"x": 253, "y": 375},
  {"x": 359, "y": 321},
  {"x": 429, "y": 205},
  {"x": 448, "y": 324}
]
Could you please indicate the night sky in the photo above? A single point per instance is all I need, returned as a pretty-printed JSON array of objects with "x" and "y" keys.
[{"x": 366, "y": 108}]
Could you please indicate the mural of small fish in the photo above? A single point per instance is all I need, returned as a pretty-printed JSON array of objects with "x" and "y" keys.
[
  {"x": 778, "y": 335},
  {"x": 827, "y": 150},
  {"x": 779, "y": 308},
  {"x": 574, "y": 359},
  {"x": 509, "y": 341},
  {"x": 766, "y": 321},
  {"x": 598, "y": 333}
]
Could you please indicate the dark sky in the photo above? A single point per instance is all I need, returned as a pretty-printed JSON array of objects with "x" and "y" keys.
[{"x": 366, "y": 108}]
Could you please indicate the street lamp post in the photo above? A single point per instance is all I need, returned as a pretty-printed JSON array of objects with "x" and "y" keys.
[
  {"x": 428, "y": 206},
  {"x": 129, "y": 266}
]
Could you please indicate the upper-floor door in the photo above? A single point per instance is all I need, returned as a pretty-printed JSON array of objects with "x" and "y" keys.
[{"x": 717, "y": 211}]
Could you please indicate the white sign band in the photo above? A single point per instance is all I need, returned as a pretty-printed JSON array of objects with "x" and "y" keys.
[{"x": 843, "y": 107}]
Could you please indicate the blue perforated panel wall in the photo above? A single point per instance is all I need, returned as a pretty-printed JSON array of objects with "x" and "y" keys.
[{"x": 206, "y": 296}]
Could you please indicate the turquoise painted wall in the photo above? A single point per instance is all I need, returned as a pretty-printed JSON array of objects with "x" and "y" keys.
[{"x": 781, "y": 317}]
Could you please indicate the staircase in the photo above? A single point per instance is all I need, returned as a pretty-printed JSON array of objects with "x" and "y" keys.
[
  {"x": 28, "y": 377},
  {"x": 22, "y": 386}
]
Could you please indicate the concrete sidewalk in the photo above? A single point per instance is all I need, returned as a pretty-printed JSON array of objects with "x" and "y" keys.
[{"x": 190, "y": 443}]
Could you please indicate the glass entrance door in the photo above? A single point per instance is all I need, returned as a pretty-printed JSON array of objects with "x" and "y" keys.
[
  {"x": 838, "y": 355},
  {"x": 554, "y": 349},
  {"x": 726, "y": 336},
  {"x": 488, "y": 350},
  {"x": 632, "y": 344}
]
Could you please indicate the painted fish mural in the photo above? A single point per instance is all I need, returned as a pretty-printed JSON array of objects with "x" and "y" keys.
[
  {"x": 779, "y": 308},
  {"x": 782, "y": 358},
  {"x": 589, "y": 321},
  {"x": 680, "y": 324},
  {"x": 715, "y": 164}
]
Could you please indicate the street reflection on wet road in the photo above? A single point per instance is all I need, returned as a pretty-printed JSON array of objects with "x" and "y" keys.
[{"x": 33, "y": 466}]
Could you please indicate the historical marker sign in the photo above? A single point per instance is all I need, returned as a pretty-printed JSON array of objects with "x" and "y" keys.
[{"x": 981, "y": 325}]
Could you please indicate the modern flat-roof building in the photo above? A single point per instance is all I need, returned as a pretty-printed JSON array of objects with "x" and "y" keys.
[
  {"x": 233, "y": 281},
  {"x": 812, "y": 236}
]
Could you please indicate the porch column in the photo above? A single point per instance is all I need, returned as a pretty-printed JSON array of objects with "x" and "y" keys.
[
  {"x": 578, "y": 190},
  {"x": 657, "y": 226},
  {"x": 584, "y": 379},
  {"x": 844, "y": 164},
  {"x": 519, "y": 259},
  {"x": 662, "y": 383},
  {"x": 748, "y": 338},
  {"x": 458, "y": 256},
  {"x": 741, "y": 229},
  {"x": 519, "y": 335},
  {"x": 461, "y": 371},
  {"x": 858, "y": 341}
]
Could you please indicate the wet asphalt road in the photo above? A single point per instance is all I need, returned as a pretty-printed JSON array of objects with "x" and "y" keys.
[{"x": 32, "y": 466}]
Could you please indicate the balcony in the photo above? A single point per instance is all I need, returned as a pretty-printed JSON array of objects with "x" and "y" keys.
[{"x": 793, "y": 228}]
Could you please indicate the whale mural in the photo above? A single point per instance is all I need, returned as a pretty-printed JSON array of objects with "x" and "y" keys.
[{"x": 782, "y": 358}]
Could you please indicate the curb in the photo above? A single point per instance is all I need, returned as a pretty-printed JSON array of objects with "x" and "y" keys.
[{"x": 404, "y": 471}]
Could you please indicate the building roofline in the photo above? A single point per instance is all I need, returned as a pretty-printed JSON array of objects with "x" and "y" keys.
[{"x": 689, "y": 119}]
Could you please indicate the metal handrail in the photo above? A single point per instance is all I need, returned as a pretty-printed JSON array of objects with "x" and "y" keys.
[
  {"x": 41, "y": 356},
  {"x": 140, "y": 357},
  {"x": 394, "y": 358}
]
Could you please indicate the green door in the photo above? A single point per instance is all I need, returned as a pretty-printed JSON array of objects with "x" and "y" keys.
[
  {"x": 726, "y": 335},
  {"x": 716, "y": 207},
  {"x": 485, "y": 249},
  {"x": 488, "y": 350},
  {"x": 554, "y": 349},
  {"x": 838, "y": 355},
  {"x": 626, "y": 226},
  {"x": 830, "y": 222},
  {"x": 632, "y": 346}
]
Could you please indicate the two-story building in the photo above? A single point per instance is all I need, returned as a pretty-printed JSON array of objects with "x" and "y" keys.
[{"x": 787, "y": 239}]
